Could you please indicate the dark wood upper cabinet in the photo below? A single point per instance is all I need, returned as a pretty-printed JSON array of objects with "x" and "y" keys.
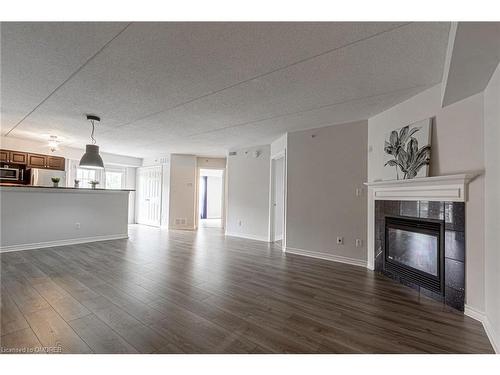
[
  {"x": 37, "y": 161},
  {"x": 17, "y": 157},
  {"x": 4, "y": 156},
  {"x": 32, "y": 160},
  {"x": 55, "y": 162}
]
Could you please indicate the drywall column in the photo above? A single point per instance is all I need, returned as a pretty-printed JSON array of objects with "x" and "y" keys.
[
  {"x": 492, "y": 208},
  {"x": 182, "y": 200},
  {"x": 248, "y": 193}
]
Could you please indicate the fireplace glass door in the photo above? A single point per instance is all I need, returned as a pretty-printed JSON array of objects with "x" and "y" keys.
[{"x": 414, "y": 250}]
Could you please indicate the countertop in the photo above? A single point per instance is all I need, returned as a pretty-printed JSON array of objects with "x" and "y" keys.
[{"x": 10, "y": 187}]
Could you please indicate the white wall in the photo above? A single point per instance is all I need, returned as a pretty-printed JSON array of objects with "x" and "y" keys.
[
  {"x": 492, "y": 207},
  {"x": 182, "y": 200},
  {"x": 39, "y": 217},
  {"x": 214, "y": 197},
  {"x": 248, "y": 193},
  {"x": 324, "y": 168},
  {"x": 211, "y": 163},
  {"x": 457, "y": 147}
]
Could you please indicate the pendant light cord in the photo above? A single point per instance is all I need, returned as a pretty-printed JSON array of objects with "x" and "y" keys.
[{"x": 93, "y": 130}]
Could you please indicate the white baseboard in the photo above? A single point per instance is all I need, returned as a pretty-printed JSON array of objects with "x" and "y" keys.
[
  {"x": 474, "y": 313},
  {"x": 490, "y": 332},
  {"x": 248, "y": 236},
  {"x": 182, "y": 228},
  {"x": 325, "y": 256},
  {"x": 72, "y": 241}
]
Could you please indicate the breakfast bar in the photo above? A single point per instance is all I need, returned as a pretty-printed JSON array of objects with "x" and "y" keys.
[{"x": 36, "y": 217}]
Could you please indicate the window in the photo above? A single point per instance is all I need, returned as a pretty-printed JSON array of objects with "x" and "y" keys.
[
  {"x": 114, "y": 180},
  {"x": 85, "y": 176}
]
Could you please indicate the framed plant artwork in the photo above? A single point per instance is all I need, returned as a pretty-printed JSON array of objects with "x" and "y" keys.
[{"x": 407, "y": 151}]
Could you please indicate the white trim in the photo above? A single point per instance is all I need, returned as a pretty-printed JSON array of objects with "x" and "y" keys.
[
  {"x": 62, "y": 190},
  {"x": 72, "y": 241},
  {"x": 248, "y": 236},
  {"x": 474, "y": 313},
  {"x": 438, "y": 188},
  {"x": 325, "y": 256},
  {"x": 481, "y": 317}
]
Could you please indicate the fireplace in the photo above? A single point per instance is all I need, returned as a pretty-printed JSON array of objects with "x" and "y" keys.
[
  {"x": 430, "y": 212},
  {"x": 414, "y": 251},
  {"x": 421, "y": 244}
]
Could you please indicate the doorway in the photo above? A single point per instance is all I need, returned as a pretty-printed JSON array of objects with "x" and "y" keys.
[
  {"x": 210, "y": 198},
  {"x": 278, "y": 200},
  {"x": 149, "y": 195}
]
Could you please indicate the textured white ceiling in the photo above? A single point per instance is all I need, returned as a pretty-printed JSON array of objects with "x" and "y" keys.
[{"x": 205, "y": 88}]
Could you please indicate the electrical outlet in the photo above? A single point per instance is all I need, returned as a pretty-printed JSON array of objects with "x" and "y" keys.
[
  {"x": 340, "y": 240},
  {"x": 359, "y": 191},
  {"x": 77, "y": 225},
  {"x": 359, "y": 242}
]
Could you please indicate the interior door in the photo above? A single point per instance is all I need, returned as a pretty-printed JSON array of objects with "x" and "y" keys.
[{"x": 149, "y": 195}]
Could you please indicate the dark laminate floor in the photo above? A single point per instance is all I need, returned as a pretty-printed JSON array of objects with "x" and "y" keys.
[{"x": 184, "y": 292}]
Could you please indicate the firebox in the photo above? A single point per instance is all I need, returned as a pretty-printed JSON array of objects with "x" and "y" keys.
[{"x": 414, "y": 251}]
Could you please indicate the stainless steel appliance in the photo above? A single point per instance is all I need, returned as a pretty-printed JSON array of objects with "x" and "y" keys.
[
  {"x": 9, "y": 174},
  {"x": 43, "y": 177}
]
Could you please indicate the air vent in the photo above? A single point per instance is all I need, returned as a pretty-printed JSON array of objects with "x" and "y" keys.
[{"x": 233, "y": 153}]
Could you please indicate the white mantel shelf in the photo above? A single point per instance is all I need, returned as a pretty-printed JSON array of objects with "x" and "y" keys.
[
  {"x": 450, "y": 188},
  {"x": 438, "y": 188}
]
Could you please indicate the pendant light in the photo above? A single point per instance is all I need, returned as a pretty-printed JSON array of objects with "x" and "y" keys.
[{"x": 91, "y": 159}]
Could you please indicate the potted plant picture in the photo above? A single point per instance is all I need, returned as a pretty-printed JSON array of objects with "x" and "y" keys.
[
  {"x": 55, "y": 181},
  {"x": 404, "y": 154},
  {"x": 93, "y": 183},
  {"x": 77, "y": 183}
]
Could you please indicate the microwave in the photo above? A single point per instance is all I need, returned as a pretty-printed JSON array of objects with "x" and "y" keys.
[{"x": 9, "y": 174}]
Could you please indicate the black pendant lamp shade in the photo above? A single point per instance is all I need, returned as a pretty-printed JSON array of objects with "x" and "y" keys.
[{"x": 91, "y": 159}]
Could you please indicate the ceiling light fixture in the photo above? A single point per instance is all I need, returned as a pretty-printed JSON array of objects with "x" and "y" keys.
[
  {"x": 91, "y": 159},
  {"x": 53, "y": 143}
]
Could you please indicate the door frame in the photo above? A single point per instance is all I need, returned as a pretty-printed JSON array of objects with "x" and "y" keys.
[
  {"x": 138, "y": 193},
  {"x": 280, "y": 155},
  {"x": 197, "y": 192}
]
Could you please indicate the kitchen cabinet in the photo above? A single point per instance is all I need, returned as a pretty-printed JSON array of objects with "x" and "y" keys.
[
  {"x": 37, "y": 161},
  {"x": 14, "y": 157},
  {"x": 32, "y": 160},
  {"x": 55, "y": 162},
  {"x": 18, "y": 157},
  {"x": 4, "y": 156}
]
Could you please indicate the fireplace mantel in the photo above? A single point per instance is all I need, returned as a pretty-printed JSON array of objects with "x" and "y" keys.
[
  {"x": 452, "y": 188},
  {"x": 449, "y": 188}
]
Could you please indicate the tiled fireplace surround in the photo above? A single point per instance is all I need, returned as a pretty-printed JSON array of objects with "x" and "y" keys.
[
  {"x": 442, "y": 198},
  {"x": 453, "y": 213}
]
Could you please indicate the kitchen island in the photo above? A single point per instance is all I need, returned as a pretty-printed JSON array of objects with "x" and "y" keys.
[{"x": 35, "y": 217}]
